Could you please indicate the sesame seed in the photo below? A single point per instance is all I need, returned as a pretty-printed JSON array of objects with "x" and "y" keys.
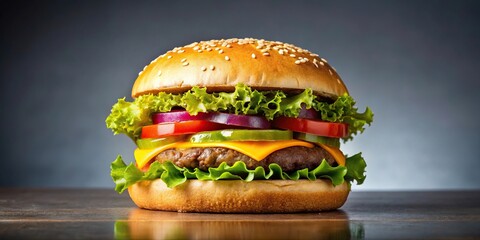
[
  {"x": 159, "y": 73},
  {"x": 140, "y": 73},
  {"x": 183, "y": 60},
  {"x": 299, "y": 55},
  {"x": 144, "y": 68},
  {"x": 212, "y": 67},
  {"x": 330, "y": 71}
]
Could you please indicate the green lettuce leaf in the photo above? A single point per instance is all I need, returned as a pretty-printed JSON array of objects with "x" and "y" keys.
[
  {"x": 126, "y": 175},
  {"x": 356, "y": 168},
  {"x": 344, "y": 110},
  {"x": 129, "y": 117}
]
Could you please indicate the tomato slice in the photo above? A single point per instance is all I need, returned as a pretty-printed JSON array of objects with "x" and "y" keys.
[
  {"x": 320, "y": 128},
  {"x": 177, "y": 128}
]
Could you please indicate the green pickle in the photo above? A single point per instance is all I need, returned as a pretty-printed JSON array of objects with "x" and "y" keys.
[
  {"x": 149, "y": 143},
  {"x": 333, "y": 142},
  {"x": 241, "y": 135}
]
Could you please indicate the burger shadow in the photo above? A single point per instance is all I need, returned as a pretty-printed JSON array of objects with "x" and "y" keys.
[{"x": 147, "y": 224}]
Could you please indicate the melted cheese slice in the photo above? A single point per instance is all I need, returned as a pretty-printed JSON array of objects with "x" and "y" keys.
[
  {"x": 336, "y": 154},
  {"x": 257, "y": 150}
]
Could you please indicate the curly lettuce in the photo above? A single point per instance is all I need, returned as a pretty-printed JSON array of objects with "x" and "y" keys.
[
  {"x": 129, "y": 117},
  {"x": 126, "y": 175}
]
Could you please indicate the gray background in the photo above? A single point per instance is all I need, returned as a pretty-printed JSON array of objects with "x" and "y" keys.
[{"x": 64, "y": 63}]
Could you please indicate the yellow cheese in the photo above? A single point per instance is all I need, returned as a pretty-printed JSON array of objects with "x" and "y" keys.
[
  {"x": 257, "y": 150},
  {"x": 336, "y": 153}
]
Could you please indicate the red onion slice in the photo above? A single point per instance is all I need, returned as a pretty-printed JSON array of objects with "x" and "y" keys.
[
  {"x": 247, "y": 121},
  {"x": 308, "y": 113},
  {"x": 178, "y": 116}
]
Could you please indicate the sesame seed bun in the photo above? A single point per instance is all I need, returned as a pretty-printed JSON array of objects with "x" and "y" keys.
[
  {"x": 236, "y": 196},
  {"x": 219, "y": 65}
]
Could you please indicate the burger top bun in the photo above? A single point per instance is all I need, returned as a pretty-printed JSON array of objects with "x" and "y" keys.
[{"x": 219, "y": 65}]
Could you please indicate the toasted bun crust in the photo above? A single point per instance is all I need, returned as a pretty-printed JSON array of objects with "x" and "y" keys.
[
  {"x": 219, "y": 65},
  {"x": 236, "y": 196}
]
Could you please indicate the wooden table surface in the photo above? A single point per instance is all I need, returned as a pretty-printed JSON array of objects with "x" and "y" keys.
[{"x": 103, "y": 214}]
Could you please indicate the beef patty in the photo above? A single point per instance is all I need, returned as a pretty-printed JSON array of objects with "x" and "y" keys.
[{"x": 290, "y": 159}]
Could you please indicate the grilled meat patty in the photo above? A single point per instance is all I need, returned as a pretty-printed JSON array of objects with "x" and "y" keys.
[{"x": 290, "y": 159}]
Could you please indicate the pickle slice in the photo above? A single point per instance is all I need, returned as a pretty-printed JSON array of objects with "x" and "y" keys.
[
  {"x": 149, "y": 143},
  {"x": 333, "y": 142},
  {"x": 241, "y": 135}
]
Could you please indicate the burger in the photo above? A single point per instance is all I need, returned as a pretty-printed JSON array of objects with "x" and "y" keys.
[{"x": 238, "y": 126}]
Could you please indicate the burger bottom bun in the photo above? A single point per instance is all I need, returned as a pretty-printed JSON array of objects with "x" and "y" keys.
[{"x": 237, "y": 196}]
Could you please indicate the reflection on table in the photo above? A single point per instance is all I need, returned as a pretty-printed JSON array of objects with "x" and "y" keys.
[{"x": 145, "y": 224}]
